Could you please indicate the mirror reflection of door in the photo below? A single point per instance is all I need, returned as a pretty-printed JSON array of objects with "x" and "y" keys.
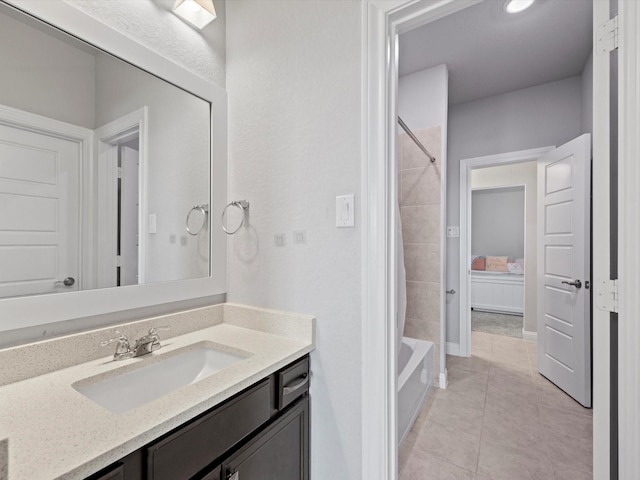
[
  {"x": 39, "y": 231},
  {"x": 128, "y": 213}
]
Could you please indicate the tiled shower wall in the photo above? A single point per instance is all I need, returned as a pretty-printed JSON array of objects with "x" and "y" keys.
[{"x": 419, "y": 191}]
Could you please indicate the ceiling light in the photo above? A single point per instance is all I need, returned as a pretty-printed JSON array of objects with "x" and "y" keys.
[
  {"x": 517, "y": 6},
  {"x": 198, "y": 13}
]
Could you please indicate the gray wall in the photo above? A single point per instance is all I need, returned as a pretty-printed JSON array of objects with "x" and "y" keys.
[
  {"x": 497, "y": 222},
  {"x": 177, "y": 172},
  {"x": 549, "y": 114},
  {"x": 44, "y": 75}
]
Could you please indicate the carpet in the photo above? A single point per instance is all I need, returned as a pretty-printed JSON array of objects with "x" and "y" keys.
[{"x": 497, "y": 323}]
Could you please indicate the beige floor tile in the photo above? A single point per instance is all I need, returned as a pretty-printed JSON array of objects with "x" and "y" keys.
[
  {"x": 563, "y": 473},
  {"x": 467, "y": 382},
  {"x": 502, "y": 462},
  {"x": 449, "y": 444},
  {"x": 549, "y": 395},
  {"x": 515, "y": 403},
  {"x": 424, "y": 466},
  {"x": 471, "y": 364},
  {"x": 516, "y": 417},
  {"x": 458, "y": 411},
  {"x": 508, "y": 381},
  {"x": 569, "y": 438},
  {"x": 502, "y": 430},
  {"x": 529, "y": 429}
]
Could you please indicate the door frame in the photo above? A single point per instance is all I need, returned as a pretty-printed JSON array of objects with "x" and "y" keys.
[
  {"x": 83, "y": 137},
  {"x": 628, "y": 240},
  {"x": 381, "y": 22},
  {"x": 467, "y": 165},
  {"x": 108, "y": 138}
]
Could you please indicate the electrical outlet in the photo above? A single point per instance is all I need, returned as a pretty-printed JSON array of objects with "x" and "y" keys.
[
  {"x": 453, "y": 232},
  {"x": 300, "y": 237},
  {"x": 280, "y": 240},
  {"x": 183, "y": 240}
]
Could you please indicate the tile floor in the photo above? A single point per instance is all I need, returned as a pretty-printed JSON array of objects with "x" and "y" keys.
[{"x": 499, "y": 419}]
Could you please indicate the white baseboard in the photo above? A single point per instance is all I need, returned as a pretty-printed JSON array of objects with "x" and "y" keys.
[
  {"x": 443, "y": 379},
  {"x": 453, "y": 349},
  {"x": 529, "y": 336}
]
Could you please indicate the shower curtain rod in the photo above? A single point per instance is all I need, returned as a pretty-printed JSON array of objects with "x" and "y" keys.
[{"x": 415, "y": 139}]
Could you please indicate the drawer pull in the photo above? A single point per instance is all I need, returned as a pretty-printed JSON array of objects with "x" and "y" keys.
[{"x": 289, "y": 389}]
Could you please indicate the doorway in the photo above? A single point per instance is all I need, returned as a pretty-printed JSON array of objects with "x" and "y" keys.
[
  {"x": 121, "y": 172},
  {"x": 498, "y": 260},
  {"x": 399, "y": 21}
]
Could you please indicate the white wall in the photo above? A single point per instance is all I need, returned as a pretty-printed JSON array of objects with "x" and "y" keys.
[
  {"x": 587, "y": 96},
  {"x": 497, "y": 221},
  {"x": 178, "y": 171},
  {"x": 294, "y": 83},
  {"x": 544, "y": 115},
  {"x": 423, "y": 97},
  {"x": 44, "y": 75},
  {"x": 153, "y": 24}
]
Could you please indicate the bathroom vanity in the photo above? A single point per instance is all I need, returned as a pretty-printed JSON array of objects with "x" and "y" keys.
[
  {"x": 250, "y": 417},
  {"x": 261, "y": 433}
]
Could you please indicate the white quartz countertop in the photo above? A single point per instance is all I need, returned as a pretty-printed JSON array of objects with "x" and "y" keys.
[{"x": 54, "y": 432}]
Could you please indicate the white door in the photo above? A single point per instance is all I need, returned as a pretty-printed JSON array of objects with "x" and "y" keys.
[
  {"x": 129, "y": 208},
  {"x": 39, "y": 216},
  {"x": 564, "y": 316}
]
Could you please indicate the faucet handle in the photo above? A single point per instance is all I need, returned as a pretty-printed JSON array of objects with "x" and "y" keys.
[
  {"x": 155, "y": 330},
  {"x": 121, "y": 339},
  {"x": 123, "y": 349}
]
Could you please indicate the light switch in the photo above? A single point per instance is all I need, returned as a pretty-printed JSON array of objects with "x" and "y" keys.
[
  {"x": 345, "y": 215},
  {"x": 152, "y": 226},
  {"x": 453, "y": 232}
]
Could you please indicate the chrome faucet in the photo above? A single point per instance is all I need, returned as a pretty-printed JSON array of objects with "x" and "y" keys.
[{"x": 143, "y": 345}]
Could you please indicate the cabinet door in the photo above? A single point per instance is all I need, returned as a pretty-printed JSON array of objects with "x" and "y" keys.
[{"x": 280, "y": 452}]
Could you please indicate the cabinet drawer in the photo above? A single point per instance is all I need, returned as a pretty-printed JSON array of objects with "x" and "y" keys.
[
  {"x": 185, "y": 452},
  {"x": 116, "y": 472},
  {"x": 280, "y": 452},
  {"x": 293, "y": 382}
]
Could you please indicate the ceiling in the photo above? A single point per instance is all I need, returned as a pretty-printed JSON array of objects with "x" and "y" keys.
[{"x": 489, "y": 52}]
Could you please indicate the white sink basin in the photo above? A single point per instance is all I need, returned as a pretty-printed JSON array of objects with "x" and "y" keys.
[{"x": 130, "y": 389}]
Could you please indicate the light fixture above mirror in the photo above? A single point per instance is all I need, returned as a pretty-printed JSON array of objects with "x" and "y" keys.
[
  {"x": 198, "y": 13},
  {"x": 517, "y": 6}
]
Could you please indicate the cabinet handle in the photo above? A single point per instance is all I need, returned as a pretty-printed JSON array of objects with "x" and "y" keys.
[{"x": 292, "y": 388}]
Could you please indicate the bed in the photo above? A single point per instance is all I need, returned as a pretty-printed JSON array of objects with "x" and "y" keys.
[{"x": 497, "y": 284}]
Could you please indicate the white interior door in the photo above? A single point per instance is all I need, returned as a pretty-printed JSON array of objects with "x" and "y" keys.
[
  {"x": 564, "y": 316},
  {"x": 39, "y": 213},
  {"x": 129, "y": 211}
]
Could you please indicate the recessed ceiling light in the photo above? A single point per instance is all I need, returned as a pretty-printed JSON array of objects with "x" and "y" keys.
[{"x": 517, "y": 6}]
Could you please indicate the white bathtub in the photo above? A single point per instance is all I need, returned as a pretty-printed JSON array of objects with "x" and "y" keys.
[{"x": 415, "y": 377}]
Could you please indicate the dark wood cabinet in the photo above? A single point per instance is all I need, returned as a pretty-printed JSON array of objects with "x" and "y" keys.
[
  {"x": 280, "y": 452},
  {"x": 262, "y": 433}
]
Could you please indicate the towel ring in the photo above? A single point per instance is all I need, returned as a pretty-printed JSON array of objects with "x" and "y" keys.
[
  {"x": 204, "y": 208},
  {"x": 243, "y": 205}
]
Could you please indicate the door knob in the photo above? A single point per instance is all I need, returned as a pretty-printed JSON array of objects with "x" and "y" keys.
[
  {"x": 575, "y": 283},
  {"x": 67, "y": 282}
]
